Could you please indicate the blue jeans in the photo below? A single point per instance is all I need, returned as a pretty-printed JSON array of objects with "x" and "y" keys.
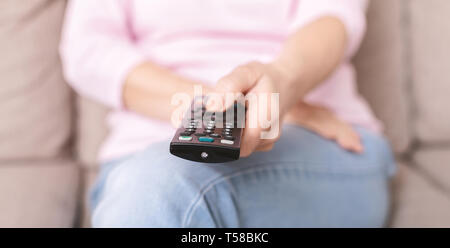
[{"x": 305, "y": 181}]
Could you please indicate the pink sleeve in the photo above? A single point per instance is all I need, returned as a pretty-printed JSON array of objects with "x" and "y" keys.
[
  {"x": 350, "y": 12},
  {"x": 97, "y": 49}
]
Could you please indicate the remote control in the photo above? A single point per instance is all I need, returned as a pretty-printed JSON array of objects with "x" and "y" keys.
[{"x": 209, "y": 137}]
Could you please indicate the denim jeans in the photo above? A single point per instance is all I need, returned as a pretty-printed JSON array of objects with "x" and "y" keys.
[{"x": 305, "y": 181}]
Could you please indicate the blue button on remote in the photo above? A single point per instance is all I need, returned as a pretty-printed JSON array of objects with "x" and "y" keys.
[{"x": 206, "y": 139}]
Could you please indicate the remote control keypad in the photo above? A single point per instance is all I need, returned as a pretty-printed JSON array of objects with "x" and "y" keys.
[
  {"x": 208, "y": 134},
  {"x": 206, "y": 137}
]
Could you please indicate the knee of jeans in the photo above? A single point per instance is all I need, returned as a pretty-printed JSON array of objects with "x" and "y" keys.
[
  {"x": 145, "y": 193},
  {"x": 308, "y": 149}
]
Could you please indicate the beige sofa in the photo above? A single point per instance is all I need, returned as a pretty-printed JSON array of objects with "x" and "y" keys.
[{"x": 49, "y": 136}]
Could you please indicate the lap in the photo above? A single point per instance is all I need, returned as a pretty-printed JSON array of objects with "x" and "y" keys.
[{"x": 301, "y": 165}]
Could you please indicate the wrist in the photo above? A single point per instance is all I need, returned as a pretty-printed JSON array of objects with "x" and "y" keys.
[{"x": 289, "y": 83}]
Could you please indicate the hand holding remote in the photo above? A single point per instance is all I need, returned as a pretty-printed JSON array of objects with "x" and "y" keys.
[{"x": 257, "y": 78}]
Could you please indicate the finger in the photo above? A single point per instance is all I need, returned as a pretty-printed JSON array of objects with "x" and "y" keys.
[
  {"x": 350, "y": 140},
  {"x": 356, "y": 140},
  {"x": 240, "y": 80},
  {"x": 251, "y": 136},
  {"x": 250, "y": 141}
]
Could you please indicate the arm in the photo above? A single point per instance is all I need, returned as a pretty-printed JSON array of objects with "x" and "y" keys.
[
  {"x": 309, "y": 56},
  {"x": 102, "y": 61},
  {"x": 149, "y": 88},
  {"x": 334, "y": 32}
]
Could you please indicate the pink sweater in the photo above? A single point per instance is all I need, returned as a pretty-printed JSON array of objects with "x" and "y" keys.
[{"x": 104, "y": 39}]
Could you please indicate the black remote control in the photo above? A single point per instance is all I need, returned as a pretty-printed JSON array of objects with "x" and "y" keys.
[{"x": 209, "y": 137}]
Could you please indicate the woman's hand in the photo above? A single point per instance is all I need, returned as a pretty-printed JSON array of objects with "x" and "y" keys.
[
  {"x": 260, "y": 80},
  {"x": 323, "y": 122}
]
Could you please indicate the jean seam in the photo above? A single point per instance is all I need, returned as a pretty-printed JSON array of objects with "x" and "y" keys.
[{"x": 255, "y": 168}]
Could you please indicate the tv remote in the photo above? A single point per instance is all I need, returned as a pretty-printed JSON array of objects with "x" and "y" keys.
[{"x": 209, "y": 137}]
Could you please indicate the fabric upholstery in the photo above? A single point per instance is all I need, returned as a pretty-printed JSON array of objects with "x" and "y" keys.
[
  {"x": 89, "y": 179},
  {"x": 430, "y": 69},
  {"x": 381, "y": 74},
  {"x": 417, "y": 202},
  {"x": 91, "y": 130},
  {"x": 434, "y": 162},
  {"x": 38, "y": 193},
  {"x": 35, "y": 106}
]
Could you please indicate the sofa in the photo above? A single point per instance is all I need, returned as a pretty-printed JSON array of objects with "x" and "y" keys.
[{"x": 49, "y": 136}]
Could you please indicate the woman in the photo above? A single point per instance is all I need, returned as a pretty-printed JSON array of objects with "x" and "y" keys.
[{"x": 329, "y": 167}]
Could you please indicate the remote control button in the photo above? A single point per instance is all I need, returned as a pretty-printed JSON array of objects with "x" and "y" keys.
[
  {"x": 226, "y": 133},
  {"x": 185, "y": 138},
  {"x": 208, "y": 131},
  {"x": 215, "y": 135},
  {"x": 227, "y": 142},
  {"x": 185, "y": 134},
  {"x": 190, "y": 130},
  {"x": 204, "y": 155},
  {"x": 200, "y": 134},
  {"x": 229, "y": 138},
  {"x": 206, "y": 139}
]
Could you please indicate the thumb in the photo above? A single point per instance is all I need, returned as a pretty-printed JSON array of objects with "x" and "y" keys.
[{"x": 240, "y": 80}]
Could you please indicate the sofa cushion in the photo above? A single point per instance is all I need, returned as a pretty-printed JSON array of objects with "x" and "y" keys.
[
  {"x": 38, "y": 193},
  {"x": 430, "y": 39},
  {"x": 381, "y": 73},
  {"x": 417, "y": 202},
  {"x": 35, "y": 106},
  {"x": 91, "y": 130},
  {"x": 89, "y": 179},
  {"x": 434, "y": 162}
]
